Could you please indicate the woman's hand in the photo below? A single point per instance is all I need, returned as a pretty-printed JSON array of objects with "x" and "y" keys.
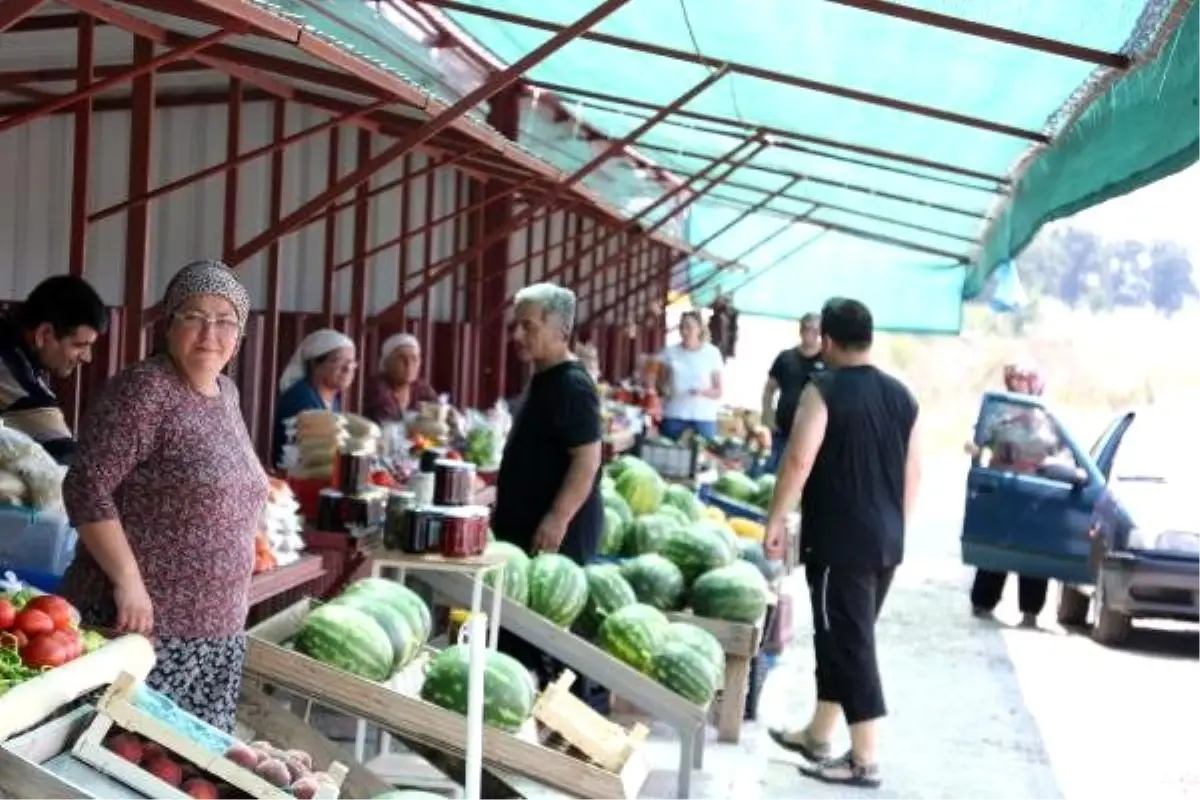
[{"x": 135, "y": 613}]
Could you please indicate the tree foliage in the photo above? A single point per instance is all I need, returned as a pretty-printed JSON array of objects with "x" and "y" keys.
[{"x": 1083, "y": 270}]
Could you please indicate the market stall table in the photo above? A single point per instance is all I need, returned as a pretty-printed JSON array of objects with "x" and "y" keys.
[{"x": 741, "y": 642}]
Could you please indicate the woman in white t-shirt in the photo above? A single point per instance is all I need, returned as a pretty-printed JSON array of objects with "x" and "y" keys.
[{"x": 693, "y": 382}]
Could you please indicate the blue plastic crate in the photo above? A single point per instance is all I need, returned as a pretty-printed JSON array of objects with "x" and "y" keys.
[
  {"x": 42, "y": 581},
  {"x": 731, "y": 507}
]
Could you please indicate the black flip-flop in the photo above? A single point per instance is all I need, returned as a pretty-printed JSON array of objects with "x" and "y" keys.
[
  {"x": 808, "y": 749},
  {"x": 843, "y": 771}
]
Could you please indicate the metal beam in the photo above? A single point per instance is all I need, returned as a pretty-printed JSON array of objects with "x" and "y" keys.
[
  {"x": 992, "y": 33},
  {"x": 733, "y": 160},
  {"x": 93, "y": 89},
  {"x": 13, "y": 11},
  {"x": 427, "y": 131},
  {"x": 778, "y": 133},
  {"x": 438, "y": 271},
  {"x": 751, "y": 71}
]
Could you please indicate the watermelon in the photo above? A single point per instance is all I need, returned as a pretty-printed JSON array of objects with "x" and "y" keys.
[
  {"x": 684, "y": 670},
  {"x": 607, "y": 484},
  {"x": 617, "y": 503},
  {"x": 607, "y": 592},
  {"x": 401, "y": 597},
  {"x": 737, "y": 593},
  {"x": 642, "y": 489},
  {"x": 703, "y": 641},
  {"x": 558, "y": 588},
  {"x": 733, "y": 545},
  {"x": 655, "y": 580},
  {"x": 647, "y": 532},
  {"x": 736, "y": 486},
  {"x": 626, "y": 463},
  {"x": 695, "y": 551},
  {"x": 677, "y": 516},
  {"x": 612, "y": 538},
  {"x": 765, "y": 492},
  {"x": 405, "y": 638},
  {"x": 508, "y": 690},
  {"x": 516, "y": 571},
  {"x": 347, "y": 639},
  {"x": 684, "y": 499},
  {"x": 632, "y": 634}
]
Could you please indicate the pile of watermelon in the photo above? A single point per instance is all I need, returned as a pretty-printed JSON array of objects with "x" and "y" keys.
[
  {"x": 673, "y": 554},
  {"x": 372, "y": 629},
  {"x": 741, "y": 488}
]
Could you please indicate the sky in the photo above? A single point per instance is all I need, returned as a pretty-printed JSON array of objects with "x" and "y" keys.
[{"x": 1162, "y": 210}]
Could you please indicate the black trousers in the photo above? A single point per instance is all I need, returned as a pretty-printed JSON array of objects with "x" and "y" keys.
[
  {"x": 845, "y": 606},
  {"x": 989, "y": 586}
]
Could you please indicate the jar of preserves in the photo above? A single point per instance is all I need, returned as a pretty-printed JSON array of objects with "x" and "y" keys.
[{"x": 453, "y": 483}]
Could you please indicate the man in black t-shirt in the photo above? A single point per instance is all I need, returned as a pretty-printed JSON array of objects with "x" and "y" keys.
[
  {"x": 547, "y": 492},
  {"x": 790, "y": 373},
  {"x": 853, "y": 463}
]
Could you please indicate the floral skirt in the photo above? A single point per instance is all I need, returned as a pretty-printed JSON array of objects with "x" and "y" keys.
[{"x": 202, "y": 675}]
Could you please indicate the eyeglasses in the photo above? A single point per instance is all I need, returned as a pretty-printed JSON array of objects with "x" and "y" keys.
[{"x": 226, "y": 327}]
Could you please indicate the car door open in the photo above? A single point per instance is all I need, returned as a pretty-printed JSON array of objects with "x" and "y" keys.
[{"x": 1030, "y": 493}]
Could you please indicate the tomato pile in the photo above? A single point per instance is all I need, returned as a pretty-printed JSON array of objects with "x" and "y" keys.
[{"x": 39, "y": 632}]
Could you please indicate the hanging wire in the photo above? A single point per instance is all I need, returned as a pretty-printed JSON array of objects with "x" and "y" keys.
[{"x": 729, "y": 81}]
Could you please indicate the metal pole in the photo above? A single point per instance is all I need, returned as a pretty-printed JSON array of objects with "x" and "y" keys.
[
  {"x": 13, "y": 11},
  {"x": 438, "y": 271},
  {"x": 426, "y": 132}
]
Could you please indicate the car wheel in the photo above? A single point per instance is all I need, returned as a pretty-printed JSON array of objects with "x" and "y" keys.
[
  {"x": 1111, "y": 627},
  {"x": 1072, "y": 605}
]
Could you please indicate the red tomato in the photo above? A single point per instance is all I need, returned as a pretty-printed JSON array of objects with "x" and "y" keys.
[
  {"x": 45, "y": 650},
  {"x": 20, "y": 637},
  {"x": 71, "y": 641},
  {"x": 7, "y": 614},
  {"x": 58, "y": 609},
  {"x": 32, "y": 622}
]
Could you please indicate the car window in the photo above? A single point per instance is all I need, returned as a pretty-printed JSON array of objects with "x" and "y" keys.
[
  {"x": 1157, "y": 447},
  {"x": 1019, "y": 438},
  {"x": 1104, "y": 437}
]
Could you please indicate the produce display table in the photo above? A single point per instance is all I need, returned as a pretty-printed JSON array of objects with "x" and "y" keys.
[
  {"x": 345, "y": 558},
  {"x": 480, "y": 636},
  {"x": 587, "y": 659},
  {"x": 269, "y": 585},
  {"x": 428, "y": 729},
  {"x": 741, "y": 642}
]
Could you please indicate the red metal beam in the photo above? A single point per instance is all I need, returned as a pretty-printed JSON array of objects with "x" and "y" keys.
[
  {"x": 358, "y": 275},
  {"x": 777, "y": 133},
  {"x": 733, "y": 160},
  {"x": 13, "y": 11},
  {"x": 993, "y": 33},
  {"x": 438, "y": 271},
  {"x": 427, "y": 131},
  {"x": 137, "y": 223},
  {"x": 333, "y": 168},
  {"x": 270, "y": 351},
  {"x": 113, "y": 80},
  {"x": 232, "y": 163},
  {"x": 81, "y": 157},
  {"x": 751, "y": 71},
  {"x": 233, "y": 148}
]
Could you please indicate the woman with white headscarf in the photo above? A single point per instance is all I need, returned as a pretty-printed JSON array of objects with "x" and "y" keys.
[
  {"x": 397, "y": 388},
  {"x": 322, "y": 367}
]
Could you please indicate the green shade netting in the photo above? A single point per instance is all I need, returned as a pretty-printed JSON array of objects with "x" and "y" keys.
[{"x": 1142, "y": 127}]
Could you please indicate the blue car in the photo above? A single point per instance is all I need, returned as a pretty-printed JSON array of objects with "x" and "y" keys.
[{"x": 1118, "y": 526}]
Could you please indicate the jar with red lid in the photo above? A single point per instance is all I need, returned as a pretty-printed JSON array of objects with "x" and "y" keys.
[
  {"x": 460, "y": 531},
  {"x": 453, "y": 483}
]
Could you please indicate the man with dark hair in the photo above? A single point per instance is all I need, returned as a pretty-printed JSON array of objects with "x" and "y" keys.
[
  {"x": 790, "y": 373},
  {"x": 853, "y": 462},
  {"x": 50, "y": 334}
]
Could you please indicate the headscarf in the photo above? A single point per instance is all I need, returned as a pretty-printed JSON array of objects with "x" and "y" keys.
[
  {"x": 207, "y": 277},
  {"x": 1026, "y": 371},
  {"x": 315, "y": 345},
  {"x": 393, "y": 343}
]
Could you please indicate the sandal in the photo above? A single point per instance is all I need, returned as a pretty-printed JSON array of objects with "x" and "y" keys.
[
  {"x": 801, "y": 742},
  {"x": 845, "y": 771}
]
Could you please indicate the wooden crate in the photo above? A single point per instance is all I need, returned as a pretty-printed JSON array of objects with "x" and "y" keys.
[
  {"x": 394, "y": 710},
  {"x": 603, "y": 742},
  {"x": 740, "y": 641},
  {"x": 117, "y": 707}
]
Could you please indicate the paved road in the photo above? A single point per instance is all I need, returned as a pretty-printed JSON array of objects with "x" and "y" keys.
[{"x": 982, "y": 709}]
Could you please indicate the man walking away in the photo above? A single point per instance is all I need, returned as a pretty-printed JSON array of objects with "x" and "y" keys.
[
  {"x": 790, "y": 373},
  {"x": 50, "y": 334},
  {"x": 853, "y": 461},
  {"x": 547, "y": 492}
]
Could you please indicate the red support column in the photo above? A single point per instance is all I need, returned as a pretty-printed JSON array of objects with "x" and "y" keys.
[
  {"x": 329, "y": 250},
  {"x": 358, "y": 276},
  {"x": 233, "y": 147},
  {"x": 13, "y": 11},
  {"x": 137, "y": 223},
  {"x": 270, "y": 351},
  {"x": 505, "y": 116}
]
